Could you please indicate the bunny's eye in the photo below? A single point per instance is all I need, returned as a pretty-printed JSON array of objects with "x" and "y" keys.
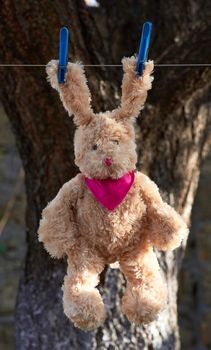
[
  {"x": 94, "y": 147},
  {"x": 116, "y": 142}
]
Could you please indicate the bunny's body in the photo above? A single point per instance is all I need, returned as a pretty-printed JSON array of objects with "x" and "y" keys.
[
  {"x": 79, "y": 226},
  {"x": 110, "y": 233},
  {"x": 99, "y": 226}
]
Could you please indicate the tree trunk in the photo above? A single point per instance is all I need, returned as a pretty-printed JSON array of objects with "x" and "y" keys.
[{"x": 171, "y": 136}]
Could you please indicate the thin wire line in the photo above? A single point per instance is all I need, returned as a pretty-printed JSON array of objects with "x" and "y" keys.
[{"x": 116, "y": 65}]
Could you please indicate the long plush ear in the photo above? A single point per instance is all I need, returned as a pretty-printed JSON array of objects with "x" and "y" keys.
[
  {"x": 74, "y": 93},
  {"x": 134, "y": 89}
]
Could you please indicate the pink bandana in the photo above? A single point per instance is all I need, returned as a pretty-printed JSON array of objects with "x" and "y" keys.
[{"x": 111, "y": 192}]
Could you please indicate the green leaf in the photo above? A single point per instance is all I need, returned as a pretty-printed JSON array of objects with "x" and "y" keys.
[{"x": 3, "y": 248}]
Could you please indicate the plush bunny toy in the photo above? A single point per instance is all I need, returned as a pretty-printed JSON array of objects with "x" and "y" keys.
[{"x": 109, "y": 212}]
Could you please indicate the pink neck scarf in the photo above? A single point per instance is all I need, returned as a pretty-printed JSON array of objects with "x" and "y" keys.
[{"x": 110, "y": 192}]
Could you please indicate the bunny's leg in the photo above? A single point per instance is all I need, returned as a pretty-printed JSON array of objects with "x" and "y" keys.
[
  {"x": 81, "y": 300},
  {"x": 145, "y": 294}
]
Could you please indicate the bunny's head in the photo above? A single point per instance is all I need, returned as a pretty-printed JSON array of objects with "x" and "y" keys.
[
  {"x": 105, "y": 147},
  {"x": 104, "y": 142}
]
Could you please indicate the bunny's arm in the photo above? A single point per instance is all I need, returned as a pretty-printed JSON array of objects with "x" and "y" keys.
[
  {"x": 74, "y": 93},
  {"x": 166, "y": 227},
  {"x": 58, "y": 229}
]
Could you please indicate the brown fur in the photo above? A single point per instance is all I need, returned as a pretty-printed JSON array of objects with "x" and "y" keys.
[{"x": 76, "y": 225}]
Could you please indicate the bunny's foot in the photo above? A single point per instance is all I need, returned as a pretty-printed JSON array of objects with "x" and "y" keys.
[
  {"x": 82, "y": 302},
  {"x": 83, "y": 305},
  {"x": 142, "y": 304},
  {"x": 145, "y": 295}
]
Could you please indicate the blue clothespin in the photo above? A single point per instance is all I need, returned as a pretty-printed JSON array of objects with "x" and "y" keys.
[
  {"x": 144, "y": 45},
  {"x": 63, "y": 53}
]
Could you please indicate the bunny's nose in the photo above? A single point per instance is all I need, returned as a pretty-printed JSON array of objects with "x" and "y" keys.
[{"x": 107, "y": 161}]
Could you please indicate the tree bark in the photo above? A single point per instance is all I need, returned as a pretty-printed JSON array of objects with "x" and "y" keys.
[{"x": 171, "y": 136}]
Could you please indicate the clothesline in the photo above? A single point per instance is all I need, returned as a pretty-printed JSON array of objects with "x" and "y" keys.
[{"x": 116, "y": 65}]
